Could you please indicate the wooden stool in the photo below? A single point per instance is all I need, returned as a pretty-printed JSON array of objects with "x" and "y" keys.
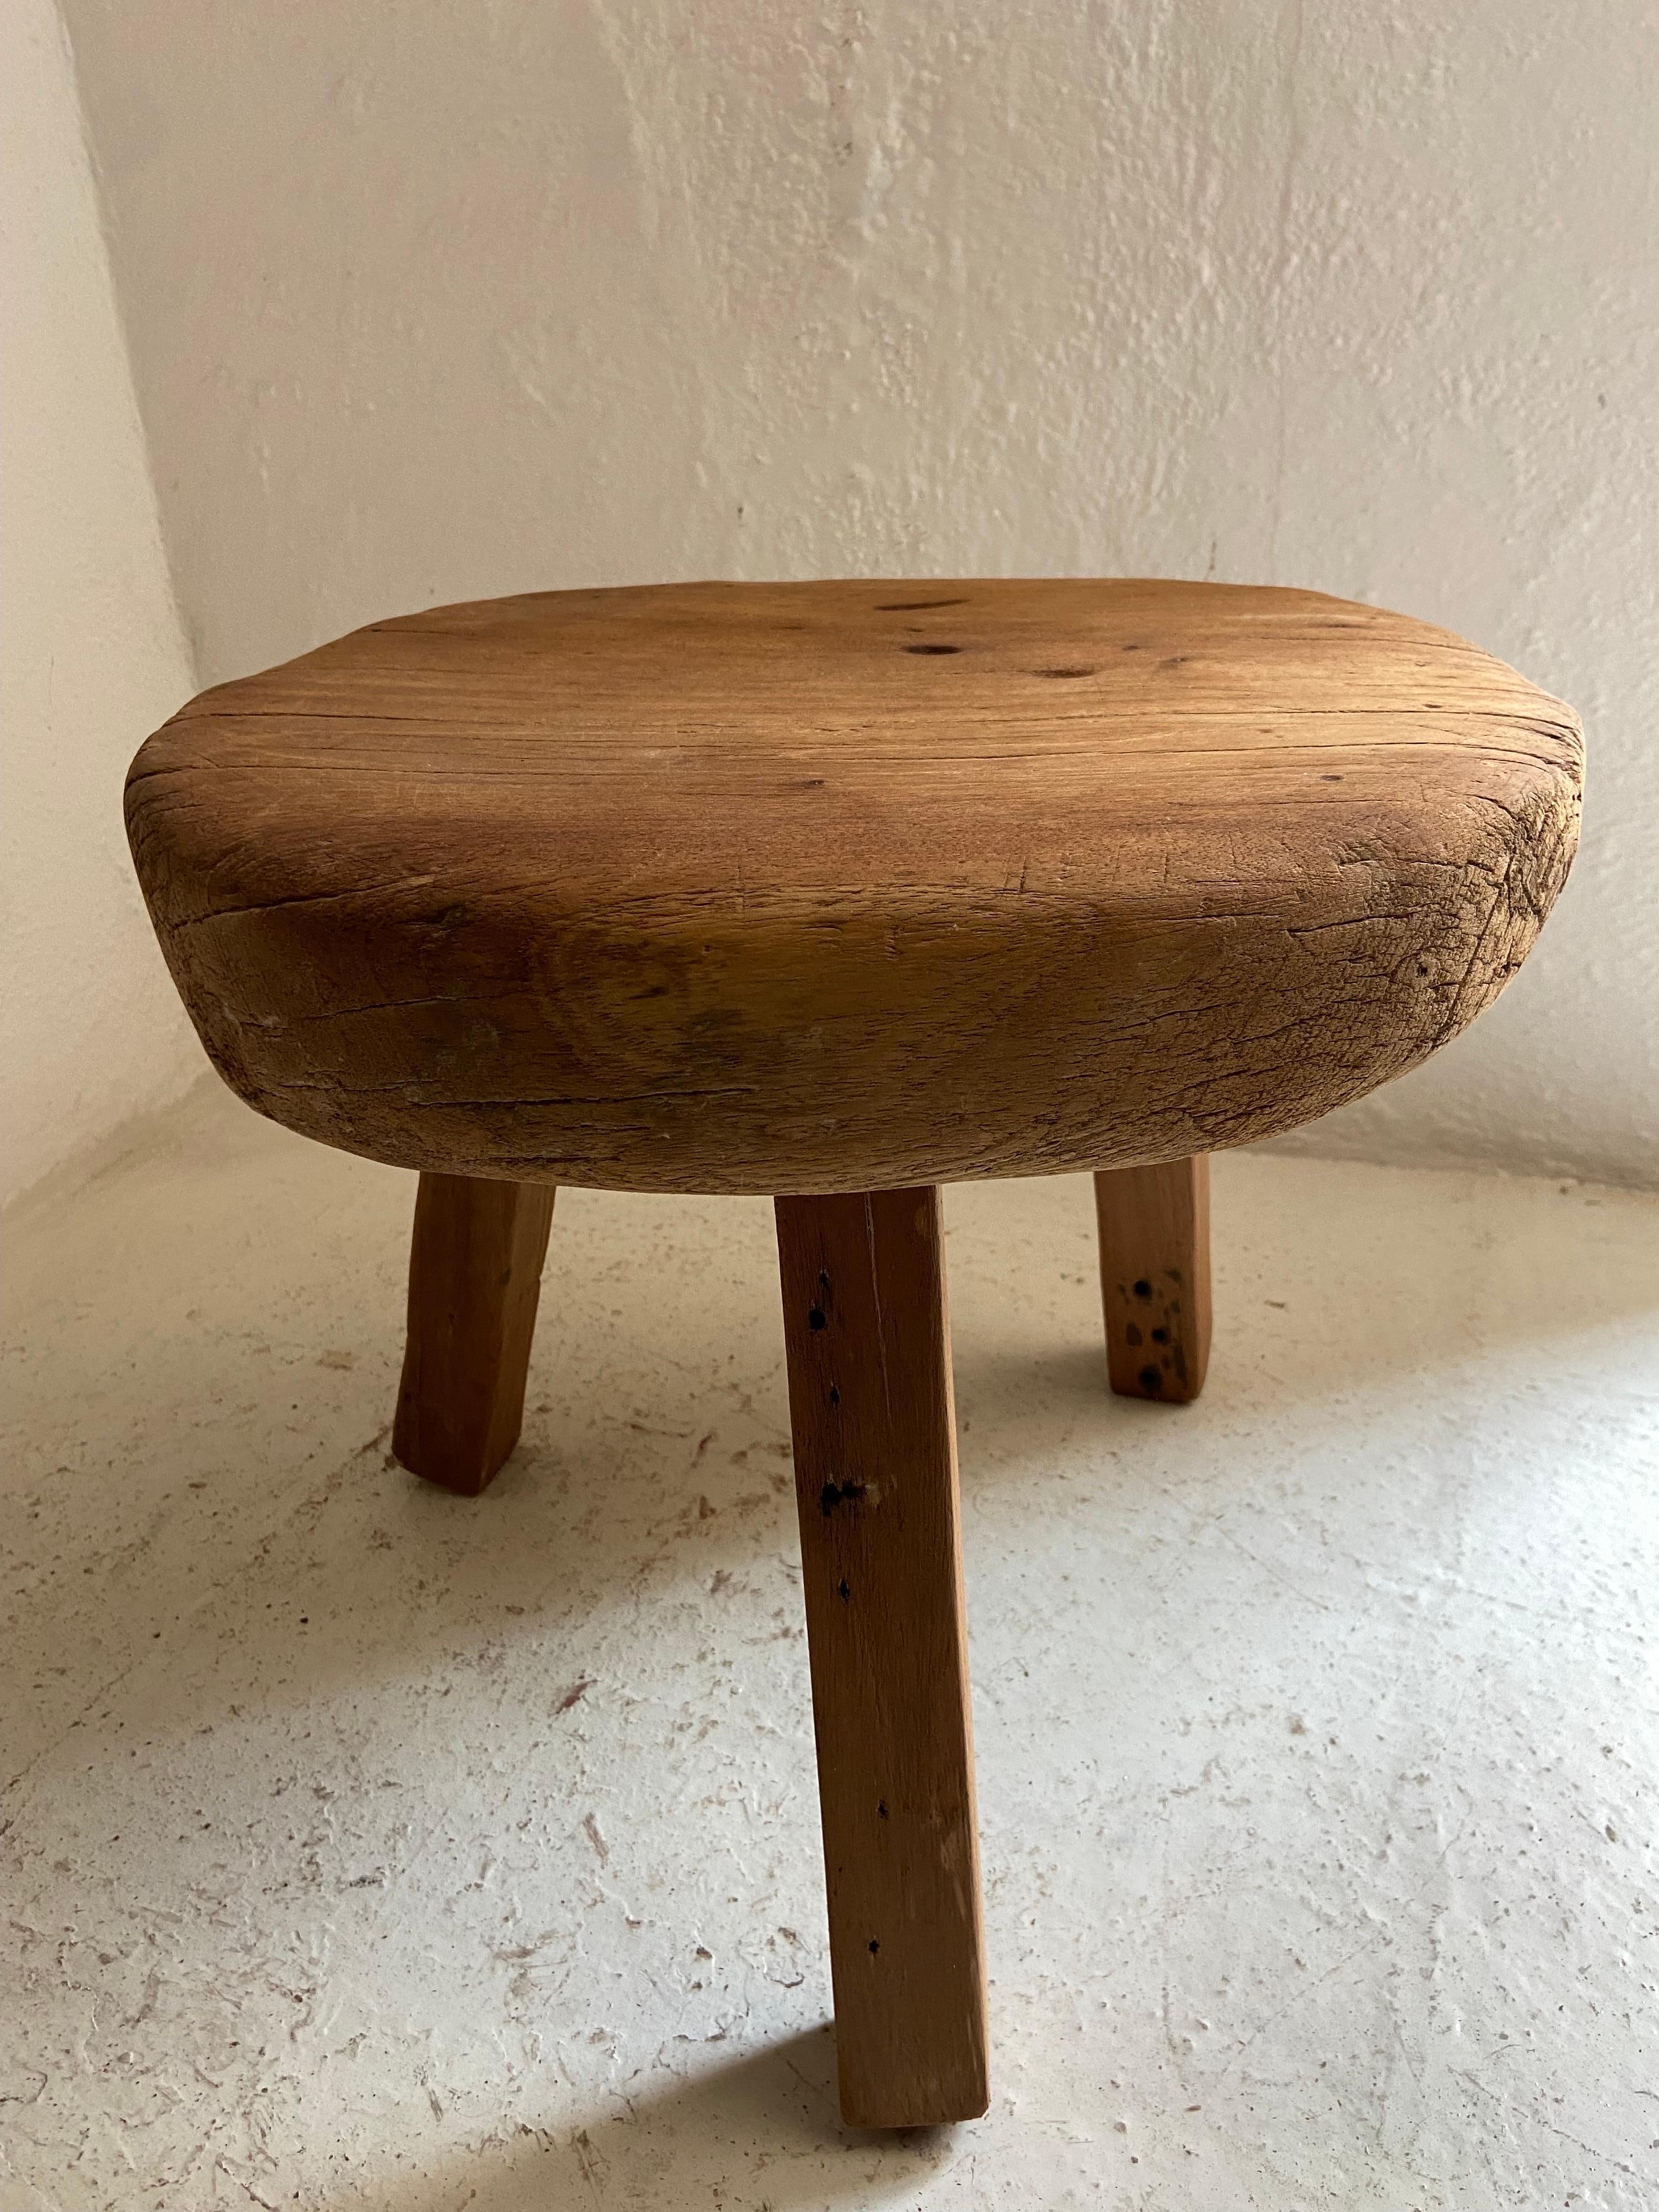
[{"x": 837, "y": 892}]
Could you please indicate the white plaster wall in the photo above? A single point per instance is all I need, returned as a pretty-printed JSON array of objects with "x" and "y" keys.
[
  {"x": 439, "y": 301},
  {"x": 91, "y": 650}
]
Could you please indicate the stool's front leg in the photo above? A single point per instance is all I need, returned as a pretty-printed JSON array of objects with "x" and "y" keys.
[
  {"x": 872, "y": 1411},
  {"x": 475, "y": 1270},
  {"x": 1154, "y": 1277}
]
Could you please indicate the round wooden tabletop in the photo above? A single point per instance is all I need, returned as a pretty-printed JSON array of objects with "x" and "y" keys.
[{"x": 812, "y": 887}]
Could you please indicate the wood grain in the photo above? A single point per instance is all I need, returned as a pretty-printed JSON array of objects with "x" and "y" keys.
[
  {"x": 809, "y": 887},
  {"x": 475, "y": 1269},
  {"x": 1154, "y": 1277},
  {"x": 870, "y": 1404}
]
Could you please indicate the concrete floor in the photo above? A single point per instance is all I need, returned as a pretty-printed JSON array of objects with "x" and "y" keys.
[{"x": 367, "y": 1847}]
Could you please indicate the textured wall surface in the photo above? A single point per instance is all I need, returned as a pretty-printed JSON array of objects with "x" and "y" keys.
[
  {"x": 438, "y": 302},
  {"x": 91, "y": 651}
]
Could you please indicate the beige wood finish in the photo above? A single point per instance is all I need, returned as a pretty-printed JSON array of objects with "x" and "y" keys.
[
  {"x": 1154, "y": 1277},
  {"x": 475, "y": 1270},
  {"x": 870, "y": 1404},
  {"x": 777, "y": 888}
]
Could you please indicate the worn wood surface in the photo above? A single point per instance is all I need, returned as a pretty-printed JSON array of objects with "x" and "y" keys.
[
  {"x": 1154, "y": 1277},
  {"x": 870, "y": 1406},
  {"x": 832, "y": 886},
  {"x": 475, "y": 1269}
]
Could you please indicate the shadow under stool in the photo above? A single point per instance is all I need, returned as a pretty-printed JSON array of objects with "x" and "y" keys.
[{"x": 835, "y": 893}]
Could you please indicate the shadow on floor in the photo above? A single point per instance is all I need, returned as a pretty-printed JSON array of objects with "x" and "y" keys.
[
  {"x": 768, "y": 2117},
  {"x": 656, "y": 1462}
]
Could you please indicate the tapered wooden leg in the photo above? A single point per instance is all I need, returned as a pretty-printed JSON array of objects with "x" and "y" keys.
[
  {"x": 1154, "y": 1277},
  {"x": 871, "y": 1407},
  {"x": 475, "y": 1270}
]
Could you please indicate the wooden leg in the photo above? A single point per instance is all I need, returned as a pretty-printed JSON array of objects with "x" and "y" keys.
[
  {"x": 871, "y": 1407},
  {"x": 1154, "y": 1277},
  {"x": 475, "y": 1270}
]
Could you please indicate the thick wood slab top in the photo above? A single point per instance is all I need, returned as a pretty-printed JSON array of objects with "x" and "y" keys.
[{"x": 825, "y": 886}]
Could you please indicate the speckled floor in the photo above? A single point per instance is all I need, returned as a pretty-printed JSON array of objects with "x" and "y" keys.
[{"x": 367, "y": 1847}]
